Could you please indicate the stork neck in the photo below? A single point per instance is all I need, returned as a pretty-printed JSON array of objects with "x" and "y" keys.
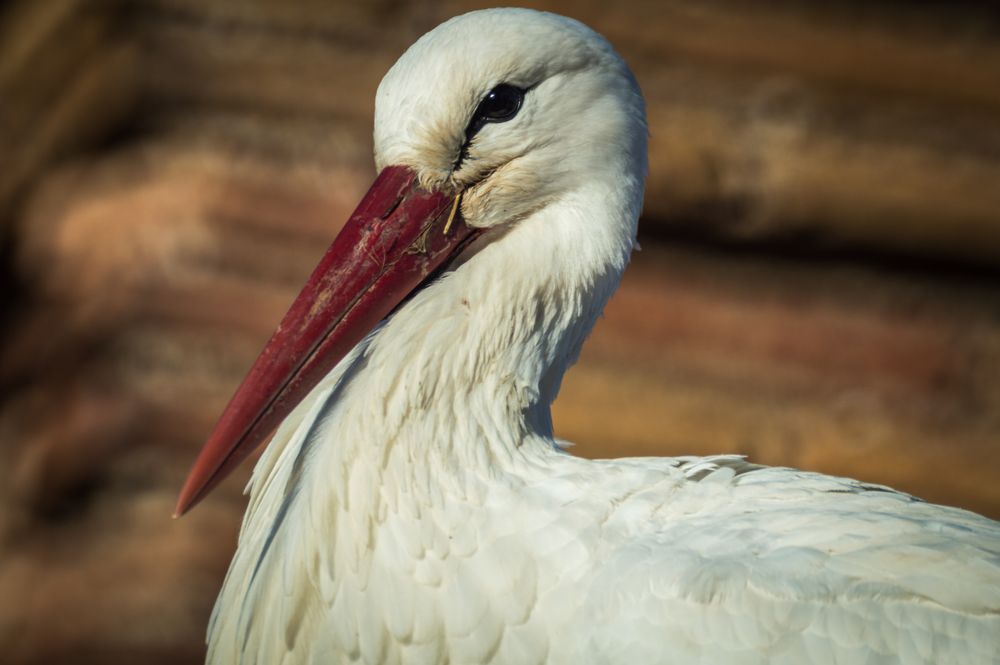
[{"x": 473, "y": 362}]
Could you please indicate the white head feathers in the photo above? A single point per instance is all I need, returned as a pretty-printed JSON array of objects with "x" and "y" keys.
[{"x": 582, "y": 111}]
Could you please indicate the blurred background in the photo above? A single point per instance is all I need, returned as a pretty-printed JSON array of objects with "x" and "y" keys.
[{"x": 817, "y": 286}]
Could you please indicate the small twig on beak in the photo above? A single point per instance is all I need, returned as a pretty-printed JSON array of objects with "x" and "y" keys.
[{"x": 454, "y": 209}]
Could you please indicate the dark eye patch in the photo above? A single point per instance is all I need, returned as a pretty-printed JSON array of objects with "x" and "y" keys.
[{"x": 499, "y": 105}]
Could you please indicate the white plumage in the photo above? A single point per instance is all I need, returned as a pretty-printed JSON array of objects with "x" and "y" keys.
[{"x": 415, "y": 508}]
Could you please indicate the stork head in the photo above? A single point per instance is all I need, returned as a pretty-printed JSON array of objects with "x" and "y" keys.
[
  {"x": 486, "y": 122},
  {"x": 513, "y": 107}
]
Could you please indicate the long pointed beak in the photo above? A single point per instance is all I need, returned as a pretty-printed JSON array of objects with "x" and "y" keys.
[{"x": 397, "y": 237}]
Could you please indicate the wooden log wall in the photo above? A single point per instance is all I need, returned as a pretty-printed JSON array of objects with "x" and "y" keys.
[{"x": 817, "y": 285}]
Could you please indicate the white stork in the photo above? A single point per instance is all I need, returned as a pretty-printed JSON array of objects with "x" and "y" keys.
[{"x": 414, "y": 506}]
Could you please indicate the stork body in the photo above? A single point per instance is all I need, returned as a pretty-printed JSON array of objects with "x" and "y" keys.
[{"x": 415, "y": 507}]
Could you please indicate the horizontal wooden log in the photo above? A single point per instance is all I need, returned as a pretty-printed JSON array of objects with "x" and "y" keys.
[
  {"x": 66, "y": 81},
  {"x": 769, "y": 159}
]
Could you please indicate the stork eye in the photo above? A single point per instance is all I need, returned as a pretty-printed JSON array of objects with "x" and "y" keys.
[{"x": 500, "y": 104}]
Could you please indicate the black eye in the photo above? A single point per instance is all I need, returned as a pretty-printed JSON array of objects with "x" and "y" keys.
[{"x": 500, "y": 104}]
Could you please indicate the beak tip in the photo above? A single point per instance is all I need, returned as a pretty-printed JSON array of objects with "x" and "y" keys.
[
  {"x": 186, "y": 500},
  {"x": 180, "y": 509}
]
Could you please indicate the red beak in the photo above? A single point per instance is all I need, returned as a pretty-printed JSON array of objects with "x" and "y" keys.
[{"x": 398, "y": 236}]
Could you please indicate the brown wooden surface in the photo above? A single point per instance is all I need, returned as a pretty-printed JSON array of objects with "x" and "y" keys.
[{"x": 817, "y": 285}]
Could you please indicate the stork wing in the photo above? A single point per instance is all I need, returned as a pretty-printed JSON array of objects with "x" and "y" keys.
[{"x": 779, "y": 566}]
